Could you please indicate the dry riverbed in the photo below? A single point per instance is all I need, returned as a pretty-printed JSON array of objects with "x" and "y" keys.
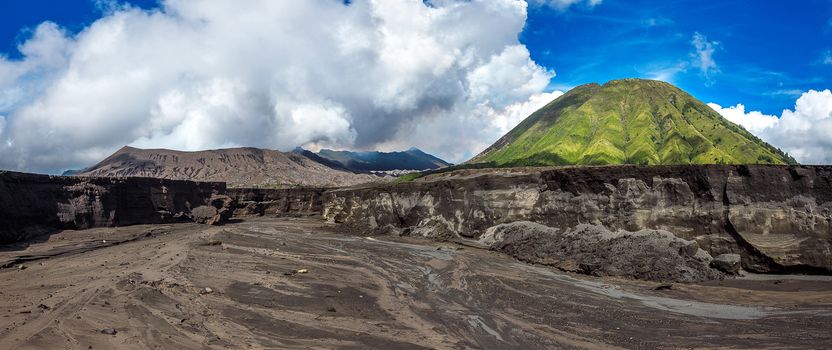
[{"x": 294, "y": 283}]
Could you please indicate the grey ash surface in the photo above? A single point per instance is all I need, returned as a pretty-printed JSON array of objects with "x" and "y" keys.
[{"x": 358, "y": 292}]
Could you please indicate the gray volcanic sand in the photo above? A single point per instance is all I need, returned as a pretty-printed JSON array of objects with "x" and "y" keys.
[{"x": 148, "y": 283}]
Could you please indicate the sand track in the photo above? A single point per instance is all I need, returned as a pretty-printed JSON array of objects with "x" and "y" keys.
[{"x": 148, "y": 283}]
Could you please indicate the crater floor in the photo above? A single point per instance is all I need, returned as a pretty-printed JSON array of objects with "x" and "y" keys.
[{"x": 295, "y": 283}]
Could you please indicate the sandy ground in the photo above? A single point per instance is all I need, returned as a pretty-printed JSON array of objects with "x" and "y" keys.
[{"x": 148, "y": 284}]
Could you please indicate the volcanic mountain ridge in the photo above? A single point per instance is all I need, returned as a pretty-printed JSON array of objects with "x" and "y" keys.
[{"x": 628, "y": 121}]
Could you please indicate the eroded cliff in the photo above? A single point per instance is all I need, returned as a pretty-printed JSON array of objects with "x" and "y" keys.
[
  {"x": 776, "y": 217},
  {"x": 33, "y": 205},
  {"x": 276, "y": 202}
]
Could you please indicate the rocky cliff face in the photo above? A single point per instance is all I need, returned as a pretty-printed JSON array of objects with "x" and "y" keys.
[
  {"x": 32, "y": 205},
  {"x": 778, "y": 218},
  {"x": 294, "y": 201}
]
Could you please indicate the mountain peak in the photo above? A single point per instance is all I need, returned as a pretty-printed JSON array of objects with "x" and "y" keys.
[
  {"x": 412, "y": 159},
  {"x": 628, "y": 121},
  {"x": 243, "y": 166},
  {"x": 634, "y": 81}
]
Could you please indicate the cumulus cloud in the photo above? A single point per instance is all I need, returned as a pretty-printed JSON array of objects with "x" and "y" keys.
[
  {"x": 507, "y": 77},
  {"x": 803, "y": 132},
  {"x": 198, "y": 74},
  {"x": 753, "y": 121},
  {"x": 703, "y": 55},
  {"x": 46, "y": 56},
  {"x": 506, "y": 119},
  {"x": 478, "y": 128}
]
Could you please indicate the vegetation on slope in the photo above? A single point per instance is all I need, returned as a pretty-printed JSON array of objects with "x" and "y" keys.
[{"x": 630, "y": 121}]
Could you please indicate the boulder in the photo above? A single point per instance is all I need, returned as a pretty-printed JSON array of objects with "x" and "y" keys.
[
  {"x": 728, "y": 263},
  {"x": 220, "y": 210},
  {"x": 654, "y": 255},
  {"x": 225, "y": 206},
  {"x": 206, "y": 214}
]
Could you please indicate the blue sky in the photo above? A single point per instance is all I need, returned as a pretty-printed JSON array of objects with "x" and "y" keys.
[
  {"x": 768, "y": 52},
  {"x": 80, "y": 79},
  {"x": 21, "y": 17}
]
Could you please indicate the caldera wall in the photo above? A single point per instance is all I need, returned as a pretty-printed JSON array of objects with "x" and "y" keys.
[
  {"x": 778, "y": 218},
  {"x": 289, "y": 201},
  {"x": 33, "y": 205}
]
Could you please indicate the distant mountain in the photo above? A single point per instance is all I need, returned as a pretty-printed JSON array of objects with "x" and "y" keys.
[
  {"x": 412, "y": 159},
  {"x": 319, "y": 159},
  {"x": 236, "y": 166},
  {"x": 630, "y": 121},
  {"x": 72, "y": 172}
]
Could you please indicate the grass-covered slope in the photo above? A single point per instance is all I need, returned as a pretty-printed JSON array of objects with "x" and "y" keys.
[{"x": 630, "y": 121}]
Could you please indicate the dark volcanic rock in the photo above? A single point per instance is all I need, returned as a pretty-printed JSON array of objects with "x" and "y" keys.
[
  {"x": 221, "y": 209},
  {"x": 32, "y": 205},
  {"x": 729, "y": 263},
  {"x": 206, "y": 214},
  {"x": 277, "y": 202},
  {"x": 777, "y": 218},
  {"x": 225, "y": 206},
  {"x": 647, "y": 254}
]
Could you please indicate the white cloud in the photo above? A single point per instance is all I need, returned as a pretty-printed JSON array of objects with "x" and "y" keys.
[
  {"x": 656, "y": 22},
  {"x": 667, "y": 73},
  {"x": 199, "y": 74},
  {"x": 512, "y": 68},
  {"x": 703, "y": 55},
  {"x": 506, "y": 119},
  {"x": 785, "y": 92},
  {"x": 564, "y": 4},
  {"x": 803, "y": 132},
  {"x": 477, "y": 129},
  {"x": 753, "y": 121},
  {"x": 46, "y": 55}
]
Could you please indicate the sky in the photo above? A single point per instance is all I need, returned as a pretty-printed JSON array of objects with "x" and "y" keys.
[{"x": 80, "y": 79}]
